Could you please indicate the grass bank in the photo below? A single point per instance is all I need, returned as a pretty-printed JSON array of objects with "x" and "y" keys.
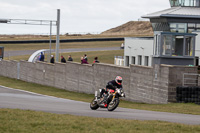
[
  {"x": 20, "y": 121},
  {"x": 171, "y": 107},
  {"x": 37, "y": 46},
  {"x": 104, "y": 56}
]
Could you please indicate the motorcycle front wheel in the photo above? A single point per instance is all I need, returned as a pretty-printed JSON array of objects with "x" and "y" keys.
[
  {"x": 113, "y": 104},
  {"x": 94, "y": 105}
]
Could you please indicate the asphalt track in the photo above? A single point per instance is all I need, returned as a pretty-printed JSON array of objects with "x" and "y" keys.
[
  {"x": 29, "y": 52},
  {"x": 18, "y": 99}
]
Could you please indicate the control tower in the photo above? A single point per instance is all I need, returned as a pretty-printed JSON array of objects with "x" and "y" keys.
[{"x": 175, "y": 31}]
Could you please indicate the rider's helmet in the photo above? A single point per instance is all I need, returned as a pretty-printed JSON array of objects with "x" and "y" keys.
[{"x": 118, "y": 80}]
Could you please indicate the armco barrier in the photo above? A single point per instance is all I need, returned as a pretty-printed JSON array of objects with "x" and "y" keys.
[{"x": 142, "y": 84}]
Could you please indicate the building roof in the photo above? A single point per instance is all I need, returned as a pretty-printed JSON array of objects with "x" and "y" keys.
[{"x": 178, "y": 12}]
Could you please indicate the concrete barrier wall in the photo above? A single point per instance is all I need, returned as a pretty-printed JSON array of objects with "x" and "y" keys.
[
  {"x": 9, "y": 69},
  {"x": 176, "y": 79},
  {"x": 142, "y": 84}
]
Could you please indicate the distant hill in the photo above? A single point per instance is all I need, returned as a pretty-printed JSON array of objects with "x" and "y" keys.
[{"x": 131, "y": 28}]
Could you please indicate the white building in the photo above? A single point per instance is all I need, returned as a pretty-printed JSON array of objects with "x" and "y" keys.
[{"x": 176, "y": 38}]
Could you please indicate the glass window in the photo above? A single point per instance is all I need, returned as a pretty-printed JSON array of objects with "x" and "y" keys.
[
  {"x": 156, "y": 45},
  {"x": 133, "y": 60},
  {"x": 174, "y": 2},
  {"x": 189, "y": 46},
  {"x": 178, "y": 27},
  {"x": 166, "y": 47},
  {"x": 139, "y": 60},
  {"x": 197, "y": 27},
  {"x": 184, "y": 2},
  {"x": 127, "y": 60},
  {"x": 146, "y": 62},
  {"x": 177, "y": 45},
  {"x": 191, "y": 27}
]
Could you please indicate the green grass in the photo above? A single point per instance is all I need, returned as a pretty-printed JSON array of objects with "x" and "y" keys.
[
  {"x": 20, "y": 121},
  {"x": 171, "y": 107},
  {"x": 104, "y": 56},
  {"x": 37, "y": 46}
]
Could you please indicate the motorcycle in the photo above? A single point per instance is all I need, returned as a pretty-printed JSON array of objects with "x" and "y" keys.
[{"x": 112, "y": 99}]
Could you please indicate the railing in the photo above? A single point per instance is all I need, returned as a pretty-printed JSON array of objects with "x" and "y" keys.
[{"x": 190, "y": 79}]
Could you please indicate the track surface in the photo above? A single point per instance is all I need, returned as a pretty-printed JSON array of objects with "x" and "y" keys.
[
  {"x": 29, "y": 52},
  {"x": 18, "y": 99}
]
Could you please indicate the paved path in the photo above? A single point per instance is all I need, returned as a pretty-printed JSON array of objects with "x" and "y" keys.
[
  {"x": 29, "y": 52},
  {"x": 17, "y": 99}
]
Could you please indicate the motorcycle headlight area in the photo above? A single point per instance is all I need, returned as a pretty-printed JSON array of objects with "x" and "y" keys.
[{"x": 118, "y": 91}]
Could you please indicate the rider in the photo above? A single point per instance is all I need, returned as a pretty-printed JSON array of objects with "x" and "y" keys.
[{"x": 111, "y": 86}]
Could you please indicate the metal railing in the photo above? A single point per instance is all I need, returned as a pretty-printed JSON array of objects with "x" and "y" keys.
[{"x": 190, "y": 79}]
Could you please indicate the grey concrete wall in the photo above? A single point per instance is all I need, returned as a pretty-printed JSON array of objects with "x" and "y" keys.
[
  {"x": 8, "y": 69},
  {"x": 142, "y": 84},
  {"x": 176, "y": 79}
]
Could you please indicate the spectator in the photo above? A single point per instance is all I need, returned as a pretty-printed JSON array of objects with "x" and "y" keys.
[
  {"x": 70, "y": 58},
  {"x": 122, "y": 46},
  {"x": 96, "y": 60},
  {"x": 52, "y": 59},
  {"x": 41, "y": 57},
  {"x": 63, "y": 59},
  {"x": 83, "y": 61},
  {"x": 85, "y": 57}
]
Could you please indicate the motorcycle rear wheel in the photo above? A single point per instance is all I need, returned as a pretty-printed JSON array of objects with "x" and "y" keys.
[
  {"x": 113, "y": 104},
  {"x": 94, "y": 105}
]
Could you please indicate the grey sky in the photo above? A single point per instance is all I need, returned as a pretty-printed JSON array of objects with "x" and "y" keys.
[{"x": 76, "y": 15}]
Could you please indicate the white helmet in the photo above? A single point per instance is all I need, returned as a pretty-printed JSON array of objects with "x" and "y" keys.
[{"x": 118, "y": 80}]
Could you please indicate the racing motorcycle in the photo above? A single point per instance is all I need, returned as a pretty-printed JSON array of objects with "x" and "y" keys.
[{"x": 111, "y": 98}]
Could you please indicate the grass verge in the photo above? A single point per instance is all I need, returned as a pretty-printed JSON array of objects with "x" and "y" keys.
[
  {"x": 20, "y": 121},
  {"x": 37, "y": 46},
  {"x": 171, "y": 107},
  {"x": 103, "y": 56}
]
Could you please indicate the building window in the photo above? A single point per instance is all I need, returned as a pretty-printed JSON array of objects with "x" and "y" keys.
[
  {"x": 166, "y": 47},
  {"x": 177, "y": 46},
  {"x": 146, "y": 61},
  {"x": 127, "y": 60},
  {"x": 189, "y": 46},
  {"x": 133, "y": 60},
  {"x": 156, "y": 50},
  {"x": 139, "y": 60},
  {"x": 193, "y": 27},
  {"x": 192, "y": 3},
  {"x": 178, "y": 27}
]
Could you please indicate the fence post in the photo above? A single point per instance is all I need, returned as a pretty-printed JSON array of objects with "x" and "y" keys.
[{"x": 18, "y": 70}]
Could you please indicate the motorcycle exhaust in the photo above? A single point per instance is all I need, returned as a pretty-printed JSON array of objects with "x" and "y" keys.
[{"x": 96, "y": 94}]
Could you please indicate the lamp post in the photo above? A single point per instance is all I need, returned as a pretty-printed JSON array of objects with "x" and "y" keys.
[
  {"x": 57, "y": 36},
  {"x": 50, "y": 41}
]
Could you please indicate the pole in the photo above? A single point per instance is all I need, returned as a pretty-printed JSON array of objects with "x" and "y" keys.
[
  {"x": 57, "y": 36},
  {"x": 50, "y": 41}
]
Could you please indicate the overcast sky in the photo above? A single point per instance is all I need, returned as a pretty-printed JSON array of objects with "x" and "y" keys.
[{"x": 76, "y": 15}]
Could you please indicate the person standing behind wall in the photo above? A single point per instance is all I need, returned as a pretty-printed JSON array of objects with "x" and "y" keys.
[
  {"x": 52, "y": 59},
  {"x": 41, "y": 57},
  {"x": 70, "y": 58},
  {"x": 96, "y": 60},
  {"x": 85, "y": 57},
  {"x": 83, "y": 61},
  {"x": 63, "y": 59}
]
